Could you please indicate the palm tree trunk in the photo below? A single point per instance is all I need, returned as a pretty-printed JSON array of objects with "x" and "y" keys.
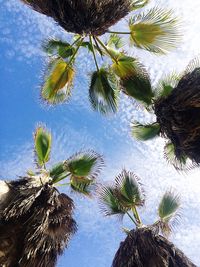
[{"x": 144, "y": 248}]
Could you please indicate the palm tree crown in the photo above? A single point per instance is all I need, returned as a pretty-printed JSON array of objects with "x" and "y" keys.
[
  {"x": 177, "y": 109},
  {"x": 146, "y": 245},
  {"x": 155, "y": 31},
  {"x": 36, "y": 220}
]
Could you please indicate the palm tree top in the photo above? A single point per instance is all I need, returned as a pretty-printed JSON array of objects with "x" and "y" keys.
[{"x": 126, "y": 195}]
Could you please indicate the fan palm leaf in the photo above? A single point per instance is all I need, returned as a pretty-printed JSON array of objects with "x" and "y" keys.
[
  {"x": 168, "y": 211},
  {"x": 134, "y": 78},
  {"x": 103, "y": 92},
  {"x": 42, "y": 145},
  {"x": 58, "y": 83},
  {"x": 145, "y": 132},
  {"x": 154, "y": 31}
]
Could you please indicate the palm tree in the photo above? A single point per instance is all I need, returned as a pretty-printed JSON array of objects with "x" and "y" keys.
[
  {"x": 36, "y": 220},
  {"x": 176, "y": 105},
  {"x": 155, "y": 31},
  {"x": 145, "y": 245}
]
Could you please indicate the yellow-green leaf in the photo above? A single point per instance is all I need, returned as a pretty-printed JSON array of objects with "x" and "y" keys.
[
  {"x": 155, "y": 31},
  {"x": 57, "y": 87}
]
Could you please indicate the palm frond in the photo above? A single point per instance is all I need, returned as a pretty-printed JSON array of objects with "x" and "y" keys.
[
  {"x": 85, "y": 164},
  {"x": 166, "y": 85},
  {"x": 81, "y": 185},
  {"x": 58, "y": 48},
  {"x": 103, "y": 92},
  {"x": 181, "y": 163},
  {"x": 58, "y": 83},
  {"x": 42, "y": 139},
  {"x": 58, "y": 172},
  {"x": 115, "y": 41},
  {"x": 136, "y": 4},
  {"x": 129, "y": 190},
  {"x": 109, "y": 203},
  {"x": 168, "y": 211},
  {"x": 145, "y": 132},
  {"x": 155, "y": 31},
  {"x": 134, "y": 78}
]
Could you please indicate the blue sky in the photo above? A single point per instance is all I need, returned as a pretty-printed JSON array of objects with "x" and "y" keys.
[{"x": 75, "y": 126}]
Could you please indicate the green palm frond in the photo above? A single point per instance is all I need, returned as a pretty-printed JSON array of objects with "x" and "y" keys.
[
  {"x": 155, "y": 31},
  {"x": 170, "y": 156},
  {"x": 42, "y": 140},
  {"x": 168, "y": 211},
  {"x": 109, "y": 203},
  {"x": 57, "y": 87},
  {"x": 138, "y": 4},
  {"x": 146, "y": 131},
  {"x": 81, "y": 185},
  {"x": 166, "y": 85},
  {"x": 103, "y": 92},
  {"x": 86, "y": 164},
  {"x": 134, "y": 78},
  {"x": 58, "y": 48},
  {"x": 129, "y": 190},
  {"x": 58, "y": 172},
  {"x": 115, "y": 41}
]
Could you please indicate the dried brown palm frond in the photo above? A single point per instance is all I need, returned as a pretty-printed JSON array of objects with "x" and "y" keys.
[
  {"x": 36, "y": 224},
  {"x": 144, "y": 248},
  {"x": 83, "y": 16},
  {"x": 178, "y": 115}
]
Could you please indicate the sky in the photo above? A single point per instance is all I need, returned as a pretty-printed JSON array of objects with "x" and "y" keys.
[{"x": 75, "y": 126}]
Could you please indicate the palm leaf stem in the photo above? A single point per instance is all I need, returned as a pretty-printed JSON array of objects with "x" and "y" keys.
[
  {"x": 76, "y": 41},
  {"x": 136, "y": 215},
  {"x": 75, "y": 52},
  {"x": 63, "y": 184},
  {"x": 118, "y": 32},
  {"x": 98, "y": 47},
  {"x": 58, "y": 180},
  {"x": 131, "y": 218},
  {"x": 106, "y": 49},
  {"x": 94, "y": 55}
]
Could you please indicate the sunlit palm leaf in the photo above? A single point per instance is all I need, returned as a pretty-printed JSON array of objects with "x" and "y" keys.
[
  {"x": 57, "y": 47},
  {"x": 85, "y": 164},
  {"x": 103, "y": 92},
  {"x": 109, "y": 203},
  {"x": 145, "y": 132},
  {"x": 58, "y": 172},
  {"x": 139, "y": 4},
  {"x": 170, "y": 156},
  {"x": 155, "y": 31},
  {"x": 42, "y": 140},
  {"x": 115, "y": 41},
  {"x": 57, "y": 87},
  {"x": 135, "y": 80},
  {"x": 168, "y": 211},
  {"x": 129, "y": 190},
  {"x": 81, "y": 185},
  {"x": 166, "y": 85}
]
